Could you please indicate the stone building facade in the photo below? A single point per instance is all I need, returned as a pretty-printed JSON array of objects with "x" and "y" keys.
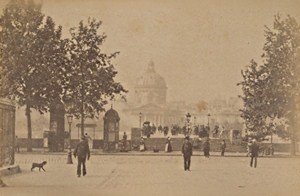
[{"x": 150, "y": 102}]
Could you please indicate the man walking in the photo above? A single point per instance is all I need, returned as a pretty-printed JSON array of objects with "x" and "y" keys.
[
  {"x": 82, "y": 152},
  {"x": 206, "y": 148},
  {"x": 187, "y": 151},
  {"x": 223, "y": 147},
  {"x": 254, "y": 153},
  {"x": 124, "y": 142}
]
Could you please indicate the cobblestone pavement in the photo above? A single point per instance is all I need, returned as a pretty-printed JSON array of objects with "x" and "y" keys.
[{"x": 155, "y": 176}]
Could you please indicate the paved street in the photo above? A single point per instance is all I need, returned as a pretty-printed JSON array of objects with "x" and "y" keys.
[{"x": 155, "y": 175}]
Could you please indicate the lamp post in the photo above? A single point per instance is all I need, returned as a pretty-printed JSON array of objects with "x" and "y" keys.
[
  {"x": 208, "y": 116},
  {"x": 195, "y": 128},
  {"x": 188, "y": 119},
  {"x": 69, "y": 119},
  {"x": 140, "y": 117}
]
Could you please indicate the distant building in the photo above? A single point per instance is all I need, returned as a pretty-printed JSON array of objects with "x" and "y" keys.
[
  {"x": 225, "y": 112},
  {"x": 151, "y": 88},
  {"x": 150, "y": 100}
]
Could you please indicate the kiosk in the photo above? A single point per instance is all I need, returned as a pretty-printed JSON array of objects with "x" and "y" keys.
[{"x": 111, "y": 131}]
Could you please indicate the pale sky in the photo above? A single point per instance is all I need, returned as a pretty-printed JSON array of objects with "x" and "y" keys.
[{"x": 199, "y": 47}]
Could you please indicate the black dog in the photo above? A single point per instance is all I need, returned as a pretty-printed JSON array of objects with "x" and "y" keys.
[{"x": 39, "y": 165}]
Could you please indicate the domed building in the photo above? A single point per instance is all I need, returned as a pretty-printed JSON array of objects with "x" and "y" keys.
[
  {"x": 151, "y": 87},
  {"x": 151, "y": 100}
]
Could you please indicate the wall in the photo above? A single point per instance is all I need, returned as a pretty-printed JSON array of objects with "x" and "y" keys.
[{"x": 160, "y": 143}]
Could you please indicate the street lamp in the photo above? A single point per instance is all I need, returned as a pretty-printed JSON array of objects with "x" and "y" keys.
[
  {"x": 69, "y": 119},
  {"x": 208, "y": 115},
  {"x": 140, "y": 117},
  {"x": 188, "y": 119}
]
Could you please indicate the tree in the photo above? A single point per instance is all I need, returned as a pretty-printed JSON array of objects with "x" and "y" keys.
[
  {"x": 271, "y": 90},
  {"x": 281, "y": 62},
  {"x": 255, "y": 109},
  {"x": 29, "y": 57},
  {"x": 90, "y": 73}
]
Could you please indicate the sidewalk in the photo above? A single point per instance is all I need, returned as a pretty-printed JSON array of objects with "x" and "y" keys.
[
  {"x": 161, "y": 153},
  {"x": 154, "y": 175}
]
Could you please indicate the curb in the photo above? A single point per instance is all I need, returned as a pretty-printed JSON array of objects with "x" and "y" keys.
[
  {"x": 9, "y": 170},
  {"x": 177, "y": 153},
  {"x": 2, "y": 184}
]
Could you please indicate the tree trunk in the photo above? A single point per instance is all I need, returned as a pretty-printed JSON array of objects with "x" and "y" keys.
[
  {"x": 293, "y": 127},
  {"x": 82, "y": 119},
  {"x": 82, "y": 124},
  {"x": 29, "y": 131}
]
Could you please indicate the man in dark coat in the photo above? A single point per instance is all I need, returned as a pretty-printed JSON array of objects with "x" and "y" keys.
[
  {"x": 124, "y": 142},
  {"x": 254, "y": 153},
  {"x": 206, "y": 148},
  {"x": 82, "y": 152},
  {"x": 223, "y": 147},
  {"x": 187, "y": 151}
]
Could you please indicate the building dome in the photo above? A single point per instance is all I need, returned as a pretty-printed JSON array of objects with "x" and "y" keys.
[
  {"x": 112, "y": 114},
  {"x": 151, "y": 87},
  {"x": 151, "y": 79}
]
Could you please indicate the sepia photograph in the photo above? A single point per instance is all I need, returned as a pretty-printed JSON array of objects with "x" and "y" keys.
[{"x": 149, "y": 97}]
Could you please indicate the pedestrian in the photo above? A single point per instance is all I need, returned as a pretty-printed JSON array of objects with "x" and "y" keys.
[
  {"x": 17, "y": 146},
  {"x": 221, "y": 132},
  {"x": 206, "y": 148},
  {"x": 82, "y": 152},
  {"x": 254, "y": 153},
  {"x": 187, "y": 151},
  {"x": 124, "y": 142},
  {"x": 168, "y": 147},
  {"x": 223, "y": 147},
  {"x": 89, "y": 140},
  {"x": 142, "y": 145}
]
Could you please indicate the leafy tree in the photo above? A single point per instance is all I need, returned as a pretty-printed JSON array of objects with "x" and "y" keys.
[
  {"x": 90, "y": 72},
  {"x": 29, "y": 48},
  {"x": 254, "y": 112},
  {"x": 271, "y": 90},
  {"x": 281, "y": 62}
]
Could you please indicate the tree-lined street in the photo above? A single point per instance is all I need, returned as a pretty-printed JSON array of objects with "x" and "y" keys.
[{"x": 76, "y": 59}]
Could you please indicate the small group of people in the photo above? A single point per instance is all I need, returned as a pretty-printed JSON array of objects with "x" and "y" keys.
[
  {"x": 187, "y": 151},
  {"x": 206, "y": 148},
  {"x": 82, "y": 152}
]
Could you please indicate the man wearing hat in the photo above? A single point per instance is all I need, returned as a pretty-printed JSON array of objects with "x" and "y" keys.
[
  {"x": 82, "y": 152},
  {"x": 254, "y": 153},
  {"x": 187, "y": 151},
  {"x": 206, "y": 148}
]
